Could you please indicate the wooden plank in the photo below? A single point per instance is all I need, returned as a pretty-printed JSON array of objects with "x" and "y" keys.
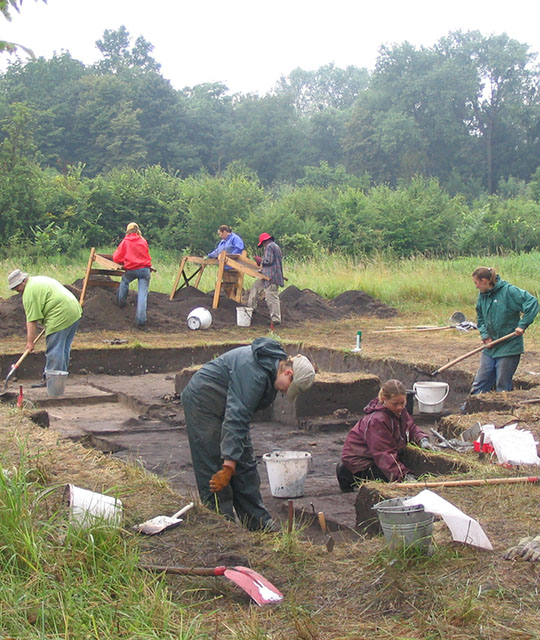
[
  {"x": 201, "y": 271},
  {"x": 178, "y": 275},
  {"x": 221, "y": 268},
  {"x": 109, "y": 264},
  {"x": 86, "y": 275},
  {"x": 238, "y": 266}
]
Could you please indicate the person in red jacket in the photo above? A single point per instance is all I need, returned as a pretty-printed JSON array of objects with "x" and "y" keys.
[
  {"x": 375, "y": 444},
  {"x": 132, "y": 253}
]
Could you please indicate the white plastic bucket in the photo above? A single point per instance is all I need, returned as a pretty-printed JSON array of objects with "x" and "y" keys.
[
  {"x": 430, "y": 396},
  {"x": 88, "y": 507},
  {"x": 243, "y": 316},
  {"x": 287, "y": 471},
  {"x": 56, "y": 383},
  {"x": 199, "y": 318}
]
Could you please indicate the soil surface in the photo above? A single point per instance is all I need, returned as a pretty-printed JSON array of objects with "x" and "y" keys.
[{"x": 101, "y": 313}]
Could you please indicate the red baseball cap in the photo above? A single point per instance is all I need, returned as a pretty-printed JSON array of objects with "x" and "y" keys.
[{"x": 263, "y": 237}]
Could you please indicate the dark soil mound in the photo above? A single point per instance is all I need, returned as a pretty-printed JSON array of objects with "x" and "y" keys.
[
  {"x": 101, "y": 312},
  {"x": 359, "y": 303}
]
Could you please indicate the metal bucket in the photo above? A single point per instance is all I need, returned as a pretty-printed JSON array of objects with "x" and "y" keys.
[
  {"x": 56, "y": 383},
  {"x": 405, "y": 527}
]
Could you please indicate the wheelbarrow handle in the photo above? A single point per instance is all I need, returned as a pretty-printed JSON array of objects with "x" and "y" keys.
[{"x": 471, "y": 353}]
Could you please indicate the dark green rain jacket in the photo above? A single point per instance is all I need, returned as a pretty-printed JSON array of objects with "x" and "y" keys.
[
  {"x": 234, "y": 386},
  {"x": 501, "y": 310}
]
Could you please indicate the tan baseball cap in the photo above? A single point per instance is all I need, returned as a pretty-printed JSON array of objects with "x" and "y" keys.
[{"x": 303, "y": 376}]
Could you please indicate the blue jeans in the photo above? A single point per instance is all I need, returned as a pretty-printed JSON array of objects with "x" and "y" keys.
[
  {"x": 143, "y": 278},
  {"x": 59, "y": 348},
  {"x": 495, "y": 373}
]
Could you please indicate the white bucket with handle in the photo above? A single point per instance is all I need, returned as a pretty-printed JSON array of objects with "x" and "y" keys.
[
  {"x": 243, "y": 316},
  {"x": 88, "y": 507},
  {"x": 287, "y": 471},
  {"x": 430, "y": 396}
]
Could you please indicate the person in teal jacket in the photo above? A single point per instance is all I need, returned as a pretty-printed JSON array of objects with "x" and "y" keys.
[
  {"x": 501, "y": 308},
  {"x": 219, "y": 403}
]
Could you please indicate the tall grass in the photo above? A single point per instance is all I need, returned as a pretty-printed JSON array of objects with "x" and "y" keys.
[
  {"x": 415, "y": 285},
  {"x": 61, "y": 581}
]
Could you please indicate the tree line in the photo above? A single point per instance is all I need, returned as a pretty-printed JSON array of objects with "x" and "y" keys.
[{"x": 436, "y": 151}]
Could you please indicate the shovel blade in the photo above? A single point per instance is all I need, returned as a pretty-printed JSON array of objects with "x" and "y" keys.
[{"x": 259, "y": 589}]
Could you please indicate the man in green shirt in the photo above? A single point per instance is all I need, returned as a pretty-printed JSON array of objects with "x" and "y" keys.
[{"x": 48, "y": 302}]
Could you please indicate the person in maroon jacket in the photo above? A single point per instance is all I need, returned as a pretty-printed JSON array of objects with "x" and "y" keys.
[
  {"x": 132, "y": 253},
  {"x": 375, "y": 444}
]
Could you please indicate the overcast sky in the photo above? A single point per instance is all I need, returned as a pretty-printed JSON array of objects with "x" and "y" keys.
[{"x": 249, "y": 44}]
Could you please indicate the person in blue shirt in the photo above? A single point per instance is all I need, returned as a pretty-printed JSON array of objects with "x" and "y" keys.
[{"x": 230, "y": 242}]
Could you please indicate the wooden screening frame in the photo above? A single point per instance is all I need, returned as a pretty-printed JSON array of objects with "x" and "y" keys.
[
  {"x": 109, "y": 268},
  {"x": 230, "y": 280}
]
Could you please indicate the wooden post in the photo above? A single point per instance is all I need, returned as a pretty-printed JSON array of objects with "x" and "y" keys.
[
  {"x": 221, "y": 268},
  {"x": 87, "y": 275},
  {"x": 199, "y": 276},
  {"x": 178, "y": 275}
]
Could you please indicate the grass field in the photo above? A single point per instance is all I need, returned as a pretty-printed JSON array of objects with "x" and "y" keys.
[{"x": 431, "y": 289}]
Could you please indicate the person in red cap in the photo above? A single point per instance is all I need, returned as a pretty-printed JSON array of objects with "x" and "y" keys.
[{"x": 272, "y": 266}]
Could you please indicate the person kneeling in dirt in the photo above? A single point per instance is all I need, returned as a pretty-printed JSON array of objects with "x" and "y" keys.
[
  {"x": 219, "y": 403},
  {"x": 272, "y": 266},
  {"x": 47, "y": 301},
  {"x": 133, "y": 254},
  {"x": 375, "y": 444}
]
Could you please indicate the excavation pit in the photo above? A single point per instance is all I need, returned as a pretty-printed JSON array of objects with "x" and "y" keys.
[{"x": 139, "y": 417}]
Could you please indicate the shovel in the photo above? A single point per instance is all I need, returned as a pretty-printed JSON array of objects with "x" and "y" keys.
[
  {"x": 469, "y": 354},
  {"x": 330, "y": 542},
  {"x": 256, "y": 586},
  {"x": 467, "y": 483},
  {"x": 14, "y": 367},
  {"x": 162, "y": 523}
]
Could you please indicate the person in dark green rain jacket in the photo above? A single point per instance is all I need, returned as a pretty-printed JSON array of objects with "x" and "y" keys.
[
  {"x": 219, "y": 403},
  {"x": 501, "y": 308}
]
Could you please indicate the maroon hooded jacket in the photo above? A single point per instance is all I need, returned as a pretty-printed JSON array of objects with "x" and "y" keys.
[{"x": 378, "y": 438}]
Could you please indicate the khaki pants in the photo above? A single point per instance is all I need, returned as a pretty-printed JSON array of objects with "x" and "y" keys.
[{"x": 271, "y": 295}]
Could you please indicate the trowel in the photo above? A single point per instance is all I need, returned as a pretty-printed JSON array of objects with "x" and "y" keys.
[{"x": 15, "y": 366}]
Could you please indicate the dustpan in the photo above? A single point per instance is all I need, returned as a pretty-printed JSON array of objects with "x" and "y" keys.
[{"x": 162, "y": 523}]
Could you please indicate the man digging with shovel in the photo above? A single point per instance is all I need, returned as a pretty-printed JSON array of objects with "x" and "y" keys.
[
  {"x": 47, "y": 301},
  {"x": 219, "y": 403}
]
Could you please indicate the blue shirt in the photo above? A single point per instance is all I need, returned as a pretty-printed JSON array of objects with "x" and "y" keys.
[{"x": 233, "y": 243}]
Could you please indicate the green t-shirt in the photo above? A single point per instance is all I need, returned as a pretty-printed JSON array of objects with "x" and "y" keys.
[{"x": 47, "y": 301}]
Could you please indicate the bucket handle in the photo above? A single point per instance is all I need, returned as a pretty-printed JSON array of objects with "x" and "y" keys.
[{"x": 431, "y": 404}]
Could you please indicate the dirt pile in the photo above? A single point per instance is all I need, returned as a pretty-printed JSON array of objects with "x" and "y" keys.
[{"x": 101, "y": 313}]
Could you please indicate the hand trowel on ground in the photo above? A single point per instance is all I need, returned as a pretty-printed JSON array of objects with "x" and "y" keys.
[{"x": 161, "y": 523}]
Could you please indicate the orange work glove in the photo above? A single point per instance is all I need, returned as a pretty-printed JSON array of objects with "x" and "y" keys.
[{"x": 221, "y": 479}]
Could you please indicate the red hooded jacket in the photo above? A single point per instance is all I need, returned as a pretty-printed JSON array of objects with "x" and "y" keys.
[
  {"x": 133, "y": 253},
  {"x": 378, "y": 438}
]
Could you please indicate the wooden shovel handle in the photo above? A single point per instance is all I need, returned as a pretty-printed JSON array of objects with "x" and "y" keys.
[
  {"x": 322, "y": 521},
  {"x": 26, "y": 352},
  {"x": 471, "y": 353},
  {"x": 467, "y": 483},
  {"x": 185, "y": 571}
]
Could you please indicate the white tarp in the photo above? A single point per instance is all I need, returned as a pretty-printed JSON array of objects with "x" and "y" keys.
[
  {"x": 512, "y": 445},
  {"x": 463, "y": 527}
]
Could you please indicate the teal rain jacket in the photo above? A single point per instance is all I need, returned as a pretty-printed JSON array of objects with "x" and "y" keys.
[
  {"x": 500, "y": 311},
  {"x": 234, "y": 386}
]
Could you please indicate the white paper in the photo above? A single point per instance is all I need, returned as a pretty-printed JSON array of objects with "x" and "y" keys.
[{"x": 462, "y": 527}]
